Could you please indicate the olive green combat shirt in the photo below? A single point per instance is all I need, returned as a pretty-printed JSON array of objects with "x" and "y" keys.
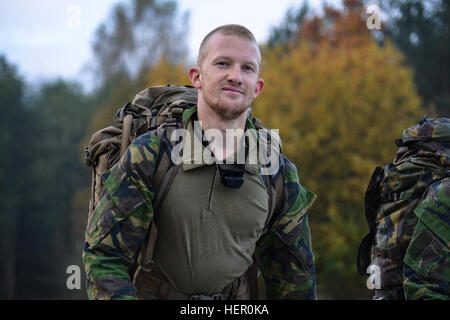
[
  {"x": 215, "y": 234},
  {"x": 205, "y": 229}
]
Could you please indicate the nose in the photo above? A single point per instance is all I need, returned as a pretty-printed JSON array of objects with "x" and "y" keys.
[{"x": 235, "y": 75}]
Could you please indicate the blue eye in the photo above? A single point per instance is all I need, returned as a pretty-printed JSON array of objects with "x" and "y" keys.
[{"x": 248, "y": 68}]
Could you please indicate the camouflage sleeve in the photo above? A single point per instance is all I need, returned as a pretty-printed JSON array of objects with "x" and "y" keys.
[
  {"x": 284, "y": 254},
  {"x": 427, "y": 260},
  {"x": 120, "y": 222}
]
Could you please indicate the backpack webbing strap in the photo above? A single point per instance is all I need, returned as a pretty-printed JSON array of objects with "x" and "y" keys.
[
  {"x": 252, "y": 278},
  {"x": 274, "y": 200},
  {"x": 371, "y": 202},
  {"x": 252, "y": 272},
  {"x": 271, "y": 204},
  {"x": 92, "y": 200},
  {"x": 162, "y": 179},
  {"x": 126, "y": 133}
]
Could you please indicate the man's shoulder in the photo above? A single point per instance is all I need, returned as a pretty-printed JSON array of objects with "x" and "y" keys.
[
  {"x": 130, "y": 178},
  {"x": 138, "y": 161},
  {"x": 147, "y": 139},
  {"x": 434, "y": 209},
  {"x": 144, "y": 148},
  {"x": 438, "y": 196}
]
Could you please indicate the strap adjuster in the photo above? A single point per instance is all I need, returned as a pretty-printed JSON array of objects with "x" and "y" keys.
[
  {"x": 147, "y": 266},
  {"x": 215, "y": 296}
]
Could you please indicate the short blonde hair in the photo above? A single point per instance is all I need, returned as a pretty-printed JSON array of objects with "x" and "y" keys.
[{"x": 227, "y": 30}]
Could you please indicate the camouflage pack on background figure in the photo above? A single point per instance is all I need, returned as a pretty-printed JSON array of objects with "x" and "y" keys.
[{"x": 407, "y": 207}]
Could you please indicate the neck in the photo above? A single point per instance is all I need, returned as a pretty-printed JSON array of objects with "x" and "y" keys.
[{"x": 211, "y": 120}]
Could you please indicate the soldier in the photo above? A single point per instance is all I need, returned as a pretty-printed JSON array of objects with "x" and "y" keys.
[
  {"x": 408, "y": 210},
  {"x": 215, "y": 223},
  {"x": 427, "y": 261}
]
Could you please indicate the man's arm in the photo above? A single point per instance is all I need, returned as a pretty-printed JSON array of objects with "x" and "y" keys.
[
  {"x": 427, "y": 261},
  {"x": 120, "y": 222},
  {"x": 284, "y": 254}
]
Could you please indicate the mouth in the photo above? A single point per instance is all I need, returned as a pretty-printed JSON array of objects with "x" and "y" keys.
[{"x": 232, "y": 91}]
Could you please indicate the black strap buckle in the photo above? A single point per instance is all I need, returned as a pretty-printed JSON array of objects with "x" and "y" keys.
[
  {"x": 215, "y": 296},
  {"x": 422, "y": 120},
  {"x": 147, "y": 266},
  {"x": 87, "y": 156},
  {"x": 231, "y": 178}
]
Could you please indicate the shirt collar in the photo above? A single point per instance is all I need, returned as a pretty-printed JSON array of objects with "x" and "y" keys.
[{"x": 199, "y": 157}]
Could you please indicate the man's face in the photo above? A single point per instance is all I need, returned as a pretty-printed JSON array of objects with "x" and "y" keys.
[{"x": 227, "y": 77}]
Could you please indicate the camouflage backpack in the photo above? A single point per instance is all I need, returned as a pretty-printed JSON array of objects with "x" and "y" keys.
[
  {"x": 393, "y": 193},
  {"x": 151, "y": 108},
  {"x": 160, "y": 109}
]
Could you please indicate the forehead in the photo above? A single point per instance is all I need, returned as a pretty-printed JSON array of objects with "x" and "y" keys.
[{"x": 233, "y": 46}]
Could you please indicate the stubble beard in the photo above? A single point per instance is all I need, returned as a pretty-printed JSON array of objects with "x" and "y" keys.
[{"x": 222, "y": 108}]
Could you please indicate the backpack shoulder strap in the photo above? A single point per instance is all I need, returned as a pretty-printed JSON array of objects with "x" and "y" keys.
[
  {"x": 275, "y": 192},
  {"x": 162, "y": 180},
  {"x": 371, "y": 203},
  {"x": 275, "y": 186}
]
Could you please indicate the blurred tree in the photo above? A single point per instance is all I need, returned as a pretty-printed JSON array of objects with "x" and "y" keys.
[
  {"x": 421, "y": 30},
  {"x": 164, "y": 73},
  {"x": 340, "y": 101},
  {"x": 16, "y": 128},
  {"x": 137, "y": 35},
  {"x": 288, "y": 29},
  {"x": 59, "y": 111},
  {"x": 110, "y": 96}
]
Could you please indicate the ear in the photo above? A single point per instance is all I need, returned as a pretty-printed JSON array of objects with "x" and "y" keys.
[
  {"x": 194, "y": 76},
  {"x": 259, "y": 88}
]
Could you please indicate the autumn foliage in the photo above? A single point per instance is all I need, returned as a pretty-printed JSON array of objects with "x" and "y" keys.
[{"x": 339, "y": 101}]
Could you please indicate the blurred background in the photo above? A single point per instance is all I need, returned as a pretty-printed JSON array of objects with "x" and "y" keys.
[{"x": 341, "y": 86}]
